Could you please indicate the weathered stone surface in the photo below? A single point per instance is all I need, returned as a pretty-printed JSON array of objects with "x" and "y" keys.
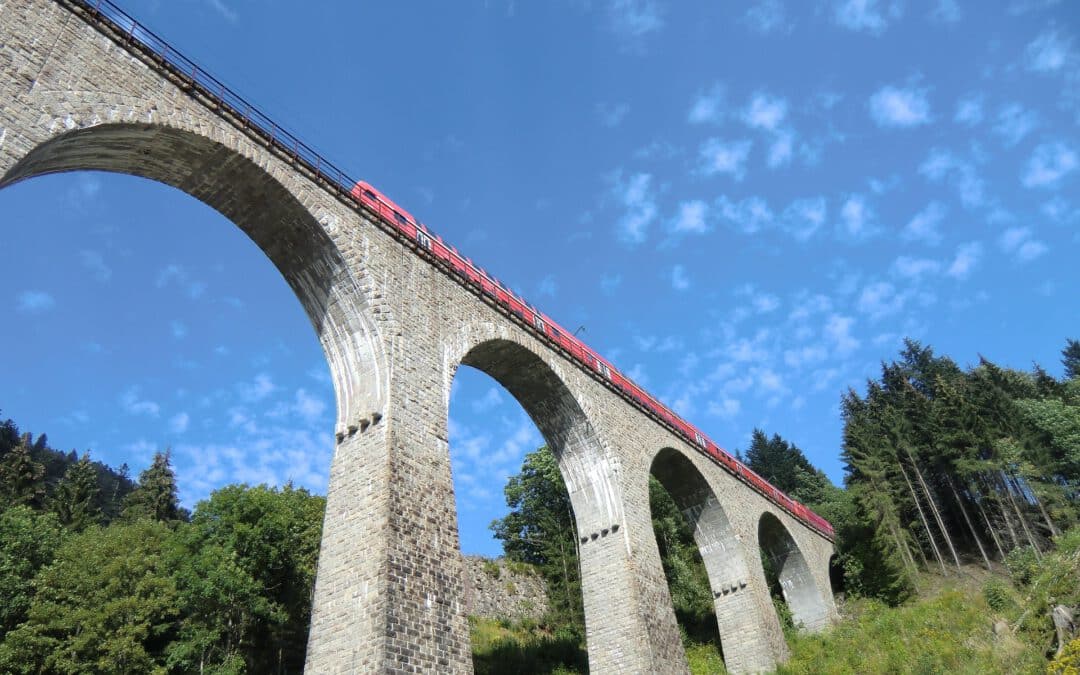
[
  {"x": 389, "y": 593},
  {"x": 495, "y": 589}
]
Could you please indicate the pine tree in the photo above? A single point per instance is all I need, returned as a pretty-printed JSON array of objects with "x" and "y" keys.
[
  {"x": 155, "y": 497},
  {"x": 21, "y": 478},
  {"x": 1070, "y": 358},
  {"x": 75, "y": 500}
]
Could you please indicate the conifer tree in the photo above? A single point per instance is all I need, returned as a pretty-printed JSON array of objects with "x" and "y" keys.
[
  {"x": 155, "y": 497},
  {"x": 75, "y": 500},
  {"x": 21, "y": 478}
]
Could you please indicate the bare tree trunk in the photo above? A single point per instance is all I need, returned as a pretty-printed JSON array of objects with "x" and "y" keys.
[
  {"x": 996, "y": 490},
  {"x": 933, "y": 507},
  {"x": 967, "y": 519},
  {"x": 990, "y": 526},
  {"x": 1023, "y": 520},
  {"x": 1038, "y": 502},
  {"x": 922, "y": 516}
]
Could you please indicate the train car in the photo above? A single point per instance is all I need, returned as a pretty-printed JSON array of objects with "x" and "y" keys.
[{"x": 490, "y": 287}]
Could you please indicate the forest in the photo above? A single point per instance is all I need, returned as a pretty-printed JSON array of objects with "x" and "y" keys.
[{"x": 958, "y": 512}]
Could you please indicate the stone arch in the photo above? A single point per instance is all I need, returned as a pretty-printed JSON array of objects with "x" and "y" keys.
[
  {"x": 797, "y": 583},
  {"x": 239, "y": 184},
  {"x": 739, "y": 621},
  {"x": 534, "y": 383},
  {"x": 546, "y": 391}
]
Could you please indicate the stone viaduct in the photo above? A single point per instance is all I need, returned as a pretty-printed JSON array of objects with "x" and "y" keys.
[{"x": 83, "y": 87}]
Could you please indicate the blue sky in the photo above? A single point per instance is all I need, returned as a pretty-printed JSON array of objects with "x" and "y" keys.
[{"x": 747, "y": 206}]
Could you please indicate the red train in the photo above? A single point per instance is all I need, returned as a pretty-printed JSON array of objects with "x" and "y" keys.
[{"x": 443, "y": 253}]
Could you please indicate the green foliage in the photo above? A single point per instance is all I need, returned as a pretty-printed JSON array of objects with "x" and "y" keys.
[
  {"x": 540, "y": 530},
  {"x": 688, "y": 582},
  {"x": 28, "y": 541},
  {"x": 75, "y": 500},
  {"x": 107, "y": 603},
  {"x": 246, "y": 569},
  {"x": 949, "y": 633},
  {"x": 505, "y": 647},
  {"x": 998, "y": 596},
  {"x": 21, "y": 477},
  {"x": 1023, "y": 564},
  {"x": 155, "y": 497}
]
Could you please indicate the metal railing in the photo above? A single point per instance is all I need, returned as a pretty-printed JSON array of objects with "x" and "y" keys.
[{"x": 127, "y": 29}]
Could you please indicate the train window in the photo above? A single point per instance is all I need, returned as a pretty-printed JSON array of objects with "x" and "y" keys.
[
  {"x": 423, "y": 239},
  {"x": 400, "y": 218},
  {"x": 699, "y": 439},
  {"x": 604, "y": 370},
  {"x": 370, "y": 195},
  {"x": 539, "y": 322}
]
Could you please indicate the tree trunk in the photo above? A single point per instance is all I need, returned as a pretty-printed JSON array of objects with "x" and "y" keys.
[
  {"x": 967, "y": 519},
  {"x": 1023, "y": 520},
  {"x": 1038, "y": 502},
  {"x": 990, "y": 527},
  {"x": 995, "y": 489},
  {"x": 933, "y": 507},
  {"x": 922, "y": 516}
]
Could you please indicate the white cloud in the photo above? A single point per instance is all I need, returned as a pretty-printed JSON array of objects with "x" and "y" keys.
[
  {"x": 489, "y": 401},
  {"x": 967, "y": 257},
  {"x": 969, "y": 111},
  {"x": 749, "y": 215},
  {"x": 856, "y": 218},
  {"x": 767, "y": 16},
  {"x": 133, "y": 404},
  {"x": 720, "y": 156},
  {"x": 724, "y": 408},
  {"x": 915, "y": 268},
  {"x": 35, "y": 301},
  {"x": 805, "y": 355},
  {"x": 1014, "y": 123},
  {"x": 946, "y": 11},
  {"x": 765, "y": 303},
  {"x": 765, "y": 112},
  {"x": 93, "y": 261},
  {"x": 609, "y": 283},
  {"x": 679, "y": 280},
  {"x": 1049, "y": 163},
  {"x": 924, "y": 225},
  {"x": 177, "y": 274},
  {"x": 896, "y": 107},
  {"x": 635, "y": 196},
  {"x": 781, "y": 149},
  {"x": 944, "y": 166},
  {"x": 871, "y": 16},
  {"x": 224, "y": 10},
  {"x": 635, "y": 18},
  {"x": 1020, "y": 242},
  {"x": 309, "y": 407},
  {"x": 691, "y": 218},
  {"x": 708, "y": 106},
  {"x": 179, "y": 422},
  {"x": 880, "y": 299},
  {"x": 258, "y": 389},
  {"x": 803, "y": 217},
  {"x": 838, "y": 332},
  {"x": 611, "y": 115},
  {"x": 1049, "y": 52}
]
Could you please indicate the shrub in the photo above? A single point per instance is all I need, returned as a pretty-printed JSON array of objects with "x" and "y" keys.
[{"x": 1023, "y": 565}]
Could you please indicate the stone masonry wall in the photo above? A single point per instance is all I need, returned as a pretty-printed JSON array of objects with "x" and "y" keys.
[{"x": 496, "y": 589}]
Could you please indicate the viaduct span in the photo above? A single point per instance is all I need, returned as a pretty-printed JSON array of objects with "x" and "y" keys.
[{"x": 83, "y": 86}]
